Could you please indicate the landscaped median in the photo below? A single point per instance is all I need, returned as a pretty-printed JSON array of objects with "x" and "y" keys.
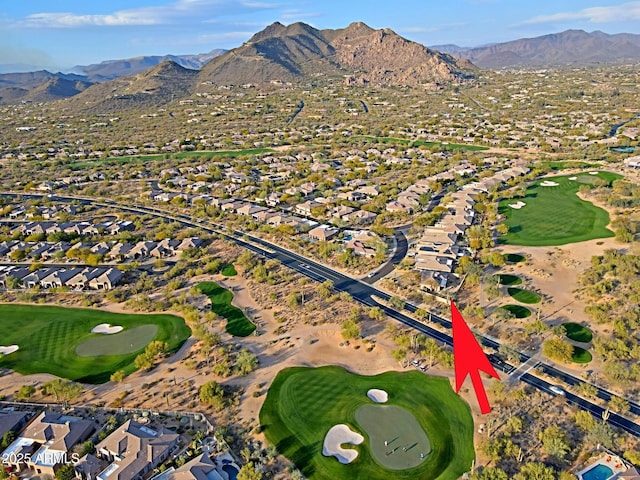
[{"x": 238, "y": 324}]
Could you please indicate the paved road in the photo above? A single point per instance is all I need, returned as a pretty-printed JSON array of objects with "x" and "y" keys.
[
  {"x": 364, "y": 293},
  {"x": 402, "y": 246}
]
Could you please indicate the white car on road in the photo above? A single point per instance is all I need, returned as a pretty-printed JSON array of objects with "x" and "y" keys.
[{"x": 556, "y": 390}]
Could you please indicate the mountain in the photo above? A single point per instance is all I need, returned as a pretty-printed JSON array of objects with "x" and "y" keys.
[
  {"x": 571, "y": 47},
  {"x": 110, "y": 69},
  {"x": 40, "y": 86},
  {"x": 299, "y": 52},
  {"x": 158, "y": 85}
]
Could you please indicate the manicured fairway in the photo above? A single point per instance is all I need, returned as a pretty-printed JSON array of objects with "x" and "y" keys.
[
  {"x": 49, "y": 336},
  {"x": 523, "y": 296},
  {"x": 580, "y": 355},
  {"x": 577, "y": 332},
  {"x": 518, "y": 310},
  {"x": 237, "y": 324},
  {"x": 555, "y": 215},
  {"x": 304, "y": 403},
  {"x": 506, "y": 279}
]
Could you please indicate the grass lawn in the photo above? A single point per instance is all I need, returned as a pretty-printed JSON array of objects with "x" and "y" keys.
[
  {"x": 524, "y": 296},
  {"x": 304, "y": 403},
  {"x": 229, "y": 270},
  {"x": 506, "y": 279},
  {"x": 518, "y": 310},
  {"x": 555, "y": 215},
  {"x": 580, "y": 355},
  {"x": 49, "y": 336},
  {"x": 237, "y": 324},
  {"x": 514, "y": 258},
  {"x": 577, "y": 332}
]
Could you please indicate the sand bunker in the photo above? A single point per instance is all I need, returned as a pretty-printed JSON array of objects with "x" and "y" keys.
[
  {"x": 106, "y": 329},
  {"x": 335, "y": 438},
  {"x": 548, "y": 183},
  {"x": 593, "y": 173},
  {"x": 378, "y": 396},
  {"x": 518, "y": 205},
  {"x": 9, "y": 349},
  {"x": 573, "y": 178}
]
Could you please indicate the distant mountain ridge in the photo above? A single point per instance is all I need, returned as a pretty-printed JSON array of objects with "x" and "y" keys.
[
  {"x": 571, "y": 47},
  {"x": 358, "y": 53},
  {"x": 110, "y": 69}
]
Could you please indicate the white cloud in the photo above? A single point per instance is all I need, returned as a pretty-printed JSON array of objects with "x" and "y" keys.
[
  {"x": 297, "y": 14},
  {"x": 625, "y": 11},
  {"x": 152, "y": 15}
]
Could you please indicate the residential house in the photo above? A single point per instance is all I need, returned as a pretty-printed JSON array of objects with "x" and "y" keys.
[
  {"x": 306, "y": 207},
  {"x": 140, "y": 250},
  {"x": 119, "y": 251},
  {"x": 323, "y": 233},
  {"x": 273, "y": 199},
  {"x": 129, "y": 453},
  {"x": 59, "y": 277},
  {"x": 81, "y": 280},
  {"x": 34, "y": 278},
  {"x": 107, "y": 280},
  {"x": 359, "y": 217},
  {"x": 46, "y": 443},
  {"x": 12, "y": 421}
]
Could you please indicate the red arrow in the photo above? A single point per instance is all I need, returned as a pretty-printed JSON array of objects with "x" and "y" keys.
[{"x": 469, "y": 359}]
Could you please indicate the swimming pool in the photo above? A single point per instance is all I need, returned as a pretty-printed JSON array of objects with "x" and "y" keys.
[{"x": 599, "y": 472}]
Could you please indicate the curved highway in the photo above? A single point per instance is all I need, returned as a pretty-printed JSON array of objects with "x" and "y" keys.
[{"x": 365, "y": 293}]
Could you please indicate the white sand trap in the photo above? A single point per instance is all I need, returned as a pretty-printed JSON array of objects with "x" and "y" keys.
[
  {"x": 573, "y": 178},
  {"x": 548, "y": 183},
  {"x": 593, "y": 173},
  {"x": 378, "y": 396},
  {"x": 518, "y": 205},
  {"x": 335, "y": 438},
  {"x": 106, "y": 329},
  {"x": 9, "y": 349}
]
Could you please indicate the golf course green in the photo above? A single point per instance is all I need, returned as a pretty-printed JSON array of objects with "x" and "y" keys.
[
  {"x": 517, "y": 311},
  {"x": 524, "y": 296},
  {"x": 553, "y": 214},
  {"x": 427, "y": 418},
  {"x": 580, "y": 355},
  {"x": 53, "y": 340},
  {"x": 577, "y": 332}
]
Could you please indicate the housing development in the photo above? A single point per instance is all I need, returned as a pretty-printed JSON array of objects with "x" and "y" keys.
[{"x": 247, "y": 269}]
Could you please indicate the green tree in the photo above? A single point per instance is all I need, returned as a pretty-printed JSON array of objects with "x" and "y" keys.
[
  {"x": 396, "y": 302},
  {"x": 64, "y": 390},
  {"x": 246, "y": 362},
  {"x": 66, "y": 472},
  {"x": 325, "y": 289},
  {"x": 25, "y": 392},
  {"x": 350, "y": 330},
  {"x": 490, "y": 474},
  {"x": 555, "y": 442},
  {"x": 535, "y": 471},
  {"x": 558, "y": 349},
  {"x": 249, "y": 472},
  {"x": 213, "y": 395},
  {"x": 376, "y": 313},
  {"x": 117, "y": 376}
]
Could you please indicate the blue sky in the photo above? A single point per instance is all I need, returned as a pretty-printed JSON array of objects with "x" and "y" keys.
[{"x": 63, "y": 33}]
